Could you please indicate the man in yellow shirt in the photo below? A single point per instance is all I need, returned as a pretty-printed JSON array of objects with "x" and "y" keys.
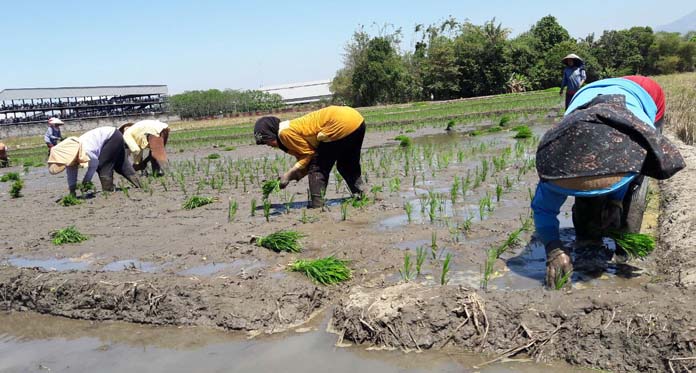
[
  {"x": 318, "y": 140},
  {"x": 147, "y": 134}
]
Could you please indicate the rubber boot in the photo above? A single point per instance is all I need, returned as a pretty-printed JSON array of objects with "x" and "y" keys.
[
  {"x": 358, "y": 188},
  {"x": 317, "y": 187},
  {"x": 107, "y": 183},
  {"x": 134, "y": 179}
]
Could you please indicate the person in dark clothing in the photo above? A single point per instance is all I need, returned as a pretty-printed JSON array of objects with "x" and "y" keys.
[
  {"x": 574, "y": 76},
  {"x": 606, "y": 142},
  {"x": 318, "y": 140}
]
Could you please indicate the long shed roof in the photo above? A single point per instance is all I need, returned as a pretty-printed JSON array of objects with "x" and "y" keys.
[
  {"x": 301, "y": 92},
  {"x": 57, "y": 92}
]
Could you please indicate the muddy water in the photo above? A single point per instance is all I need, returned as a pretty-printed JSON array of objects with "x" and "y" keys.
[{"x": 37, "y": 343}]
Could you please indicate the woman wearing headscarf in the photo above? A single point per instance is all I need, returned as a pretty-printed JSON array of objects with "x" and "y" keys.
[
  {"x": 147, "y": 134},
  {"x": 608, "y": 140},
  {"x": 318, "y": 140},
  {"x": 101, "y": 150},
  {"x": 574, "y": 76}
]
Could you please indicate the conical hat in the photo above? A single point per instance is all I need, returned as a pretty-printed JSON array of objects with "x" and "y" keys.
[
  {"x": 66, "y": 153},
  {"x": 572, "y": 56}
]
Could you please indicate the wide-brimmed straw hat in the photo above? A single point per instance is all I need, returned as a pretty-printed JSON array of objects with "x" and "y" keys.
[
  {"x": 55, "y": 121},
  {"x": 67, "y": 152},
  {"x": 572, "y": 56},
  {"x": 588, "y": 182}
]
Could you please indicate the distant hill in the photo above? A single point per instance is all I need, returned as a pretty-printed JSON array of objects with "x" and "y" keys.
[{"x": 683, "y": 24}]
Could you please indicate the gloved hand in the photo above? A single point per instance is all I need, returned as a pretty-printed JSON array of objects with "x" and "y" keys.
[
  {"x": 558, "y": 263},
  {"x": 611, "y": 215},
  {"x": 295, "y": 173}
]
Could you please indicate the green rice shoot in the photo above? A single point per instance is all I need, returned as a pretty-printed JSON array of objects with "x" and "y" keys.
[
  {"x": 523, "y": 132},
  {"x": 197, "y": 201},
  {"x": 270, "y": 186},
  {"x": 404, "y": 141},
  {"x": 69, "y": 200},
  {"x": 85, "y": 187},
  {"x": 325, "y": 271},
  {"x": 67, "y": 235},
  {"x": 10, "y": 176},
  {"x": 636, "y": 245},
  {"x": 287, "y": 241}
]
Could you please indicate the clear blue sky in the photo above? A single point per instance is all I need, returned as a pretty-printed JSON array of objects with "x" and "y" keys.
[{"x": 233, "y": 44}]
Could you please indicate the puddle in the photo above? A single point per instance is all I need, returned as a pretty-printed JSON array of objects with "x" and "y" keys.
[
  {"x": 236, "y": 267},
  {"x": 128, "y": 264},
  {"x": 39, "y": 343},
  {"x": 53, "y": 264}
]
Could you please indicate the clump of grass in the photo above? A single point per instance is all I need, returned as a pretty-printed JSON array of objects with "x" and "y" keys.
[
  {"x": 636, "y": 245},
  {"x": 404, "y": 140},
  {"x": 69, "y": 200},
  {"x": 287, "y": 241},
  {"x": 213, "y": 156},
  {"x": 325, "y": 271},
  {"x": 523, "y": 132},
  {"x": 10, "y": 176},
  {"x": 16, "y": 189},
  {"x": 197, "y": 201},
  {"x": 67, "y": 235},
  {"x": 269, "y": 187}
]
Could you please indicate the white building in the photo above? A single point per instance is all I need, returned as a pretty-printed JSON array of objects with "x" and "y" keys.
[{"x": 302, "y": 93}]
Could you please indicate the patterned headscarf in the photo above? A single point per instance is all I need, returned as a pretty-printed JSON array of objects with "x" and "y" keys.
[{"x": 265, "y": 129}]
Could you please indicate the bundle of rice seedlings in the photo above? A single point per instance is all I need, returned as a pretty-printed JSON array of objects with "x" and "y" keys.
[
  {"x": 404, "y": 140},
  {"x": 197, "y": 201},
  {"x": 69, "y": 200},
  {"x": 287, "y": 241},
  {"x": 269, "y": 187},
  {"x": 10, "y": 176},
  {"x": 85, "y": 187},
  {"x": 16, "y": 189},
  {"x": 504, "y": 120},
  {"x": 213, "y": 156},
  {"x": 636, "y": 245},
  {"x": 67, "y": 235},
  {"x": 325, "y": 271},
  {"x": 523, "y": 132}
]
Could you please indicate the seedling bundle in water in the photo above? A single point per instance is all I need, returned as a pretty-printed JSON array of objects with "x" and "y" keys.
[
  {"x": 523, "y": 132},
  {"x": 404, "y": 140},
  {"x": 287, "y": 241},
  {"x": 197, "y": 201},
  {"x": 325, "y": 271},
  {"x": 636, "y": 245},
  {"x": 67, "y": 235},
  {"x": 269, "y": 187}
]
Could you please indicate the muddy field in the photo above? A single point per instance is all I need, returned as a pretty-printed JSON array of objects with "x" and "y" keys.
[{"x": 148, "y": 260}]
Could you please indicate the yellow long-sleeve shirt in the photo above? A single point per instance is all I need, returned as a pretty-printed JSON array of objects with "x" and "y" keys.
[
  {"x": 302, "y": 135},
  {"x": 135, "y": 136}
]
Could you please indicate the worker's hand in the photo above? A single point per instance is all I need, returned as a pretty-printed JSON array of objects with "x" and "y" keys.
[
  {"x": 295, "y": 173},
  {"x": 558, "y": 263},
  {"x": 560, "y": 93},
  {"x": 285, "y": 180},
  {"x": 611, "y": 215}
]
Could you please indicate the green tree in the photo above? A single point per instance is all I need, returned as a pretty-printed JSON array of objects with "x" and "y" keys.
[{"x": 548, "y": 33}]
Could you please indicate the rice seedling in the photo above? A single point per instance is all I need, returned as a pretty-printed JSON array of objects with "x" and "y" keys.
[
  {"x": 325, "y": 271},
  {"x": 344, "y": 209},
  {"x": 404, "y": 141},
  {"x": 16, "y": 188},
  {"x": 475, "y": 133},
  {"x": 69, "y": 200},
  {"x": 394, "y": 185},
  {"x": 232, "y": 207},
  {"x": 504, "y": 120},
  {"x": 197, "y": 201},
  {"x": 67, "y": 235},
  {"x": 445, "y": 269},
  {"x": 374, "y": 190},
  {"x": 406, "y": 271},
  {"x": 213, "y": 156},
  {"x": 523, "y": 132},
  {"x": 433, "y": 244},
  {"x": 636, "y": 245},
  {"x": 289, "y": 199},
  {"x": 466, "y": 224},
  {"x": 562, "y": 280},
  {"x": 85, "y": 187},
  {"x": 304, "y": 219},
  {"x": 450, "y": 125},
  {"x": 498, "y": 192},
  {"x": 229, "y": 148},
  {"x": 420, "y": 259},
  {"x": 454, "y": 190},
  {"x": 286, "y": 241},
  {"x": 253, "y": 207},
  {"x": 409, "y": 211},
  {"x": 267, "y": 210},
  {"x": 10, "y": 176},
  {"x": 359, "y": 201}
]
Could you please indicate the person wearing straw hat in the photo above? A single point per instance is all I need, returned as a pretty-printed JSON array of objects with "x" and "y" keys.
[
  {"x": 147, "y": 134},
  {"x": 604, "y": 146},
  {"x": 101, "y": 150},
  {"x": 53, "y": 135},
  {"x": 4, "y": 160},
  {"x": 318, "y": 140},
  {"x": 574, "y": 76}
]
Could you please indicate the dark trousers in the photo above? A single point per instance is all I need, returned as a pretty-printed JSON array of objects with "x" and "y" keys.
[
  {"x": 345, "y": 154},
  {"x": 113, "y": 157},
  {"x": 569, "y": 97}
]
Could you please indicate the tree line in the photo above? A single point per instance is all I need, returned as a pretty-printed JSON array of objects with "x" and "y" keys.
[
  {"x": 455, "y": 59},
  {"x": 198, "y": 104}
]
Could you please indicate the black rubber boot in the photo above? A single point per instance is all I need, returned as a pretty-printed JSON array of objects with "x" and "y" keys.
[
  {"x": 317, "y": 189},
  {"x": 107, "y": 183}
]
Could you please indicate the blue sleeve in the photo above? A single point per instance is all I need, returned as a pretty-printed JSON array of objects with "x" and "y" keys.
[
  {"x": 583, "y": 75},
  {"x": 564, "y": 82},
  {"x": 47, "y": 136},
  {"x": 546, "y": 206}
]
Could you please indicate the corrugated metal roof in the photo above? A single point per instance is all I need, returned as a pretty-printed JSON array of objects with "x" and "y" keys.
[
  {"x": 57, "y": 92},
  {"x": 301, "y": 92}
]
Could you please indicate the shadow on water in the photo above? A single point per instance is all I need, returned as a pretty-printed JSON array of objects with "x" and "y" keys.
[{"x": 281, "y": 208}]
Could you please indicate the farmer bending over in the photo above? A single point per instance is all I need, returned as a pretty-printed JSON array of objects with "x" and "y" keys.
[
  {"x": 147, "y": 134},
  {"x": 100, "y": 150},
  {"x": 605, "y": 143},
  {"x": 320, "y": 139},
  {"x": 53, "y": 135}
]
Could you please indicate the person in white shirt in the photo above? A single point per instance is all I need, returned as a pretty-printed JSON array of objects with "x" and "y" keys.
[{"x": 101, "y": 150}]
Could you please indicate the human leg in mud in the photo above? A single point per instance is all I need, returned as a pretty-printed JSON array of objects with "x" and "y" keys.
[
  {"x": 158, "y": 154},
  {"x": 318, "y": 175},
  {"x": 593, "y": 218},
  {"x": 112, "y": 158},
  {"x": 348, "y": 161}
]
